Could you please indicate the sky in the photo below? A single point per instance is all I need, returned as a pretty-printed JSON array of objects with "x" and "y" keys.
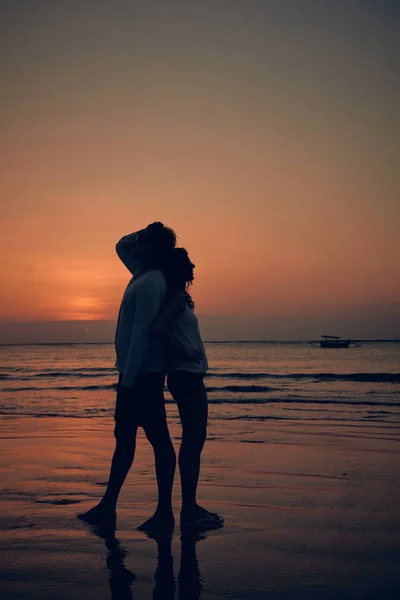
[{"x": 264, "y": 132}]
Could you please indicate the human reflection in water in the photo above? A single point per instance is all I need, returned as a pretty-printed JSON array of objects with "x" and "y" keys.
[
  {"x": 164, "y": 578},
  {"x": 189, "y": 578},
  {"x": 121, "y": 578}
]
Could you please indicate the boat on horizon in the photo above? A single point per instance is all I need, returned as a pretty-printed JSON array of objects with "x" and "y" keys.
[{"x": 334, "y": 341}]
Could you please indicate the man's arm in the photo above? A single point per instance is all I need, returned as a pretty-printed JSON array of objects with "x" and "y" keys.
[
  {"x": 149, "y": 298},
  {"x": 124, "y": 250},
  {"x": 172, "y": 309}
]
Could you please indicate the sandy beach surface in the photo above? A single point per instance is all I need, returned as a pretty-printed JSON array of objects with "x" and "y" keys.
[{"x": 311, "y": 511}]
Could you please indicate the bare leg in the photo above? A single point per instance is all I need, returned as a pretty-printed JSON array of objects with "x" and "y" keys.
[
  {"x": 105, "y": 511},
  {"x": 158, "y": 435},
  {"x": 143, "y": 404},
  {"x": 120, "y": 466},
  {"x": 193, "y": 411}
]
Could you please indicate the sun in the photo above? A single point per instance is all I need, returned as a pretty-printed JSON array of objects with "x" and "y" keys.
[{"x": 83, "y": 308}]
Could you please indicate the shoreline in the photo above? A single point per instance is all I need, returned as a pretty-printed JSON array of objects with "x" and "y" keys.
[{"x": 310, "y": 512}]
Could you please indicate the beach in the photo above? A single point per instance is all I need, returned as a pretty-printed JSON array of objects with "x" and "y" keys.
[
  {"x": 302, "y": 461},
  {"x": 311, "y": 511}
]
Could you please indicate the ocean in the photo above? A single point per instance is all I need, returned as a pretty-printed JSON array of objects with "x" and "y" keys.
[{"x": 246, "y": 381}]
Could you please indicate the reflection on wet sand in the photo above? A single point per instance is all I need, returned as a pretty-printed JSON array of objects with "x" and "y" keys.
[
  {"x": 164, "y": 578},
  {"x": 189, "y": 577},
  {"x": 121, "y": 578},
  {"x": 189, "y": 582}
]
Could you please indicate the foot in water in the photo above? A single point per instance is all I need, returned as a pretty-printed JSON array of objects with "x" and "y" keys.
[
  {"x": 161, "y": 520},
  {"x": 101, "y": 515},
  {"x": 197, "y": 516}
]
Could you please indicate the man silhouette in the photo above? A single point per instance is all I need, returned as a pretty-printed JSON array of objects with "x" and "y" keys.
[{"x": 140, "y": 361}]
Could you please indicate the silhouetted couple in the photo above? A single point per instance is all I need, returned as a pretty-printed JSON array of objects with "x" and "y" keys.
[{"x": 158, "y": 333}]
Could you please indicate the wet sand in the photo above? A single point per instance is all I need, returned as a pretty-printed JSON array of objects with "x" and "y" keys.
[{"x": 311, "y": 511}]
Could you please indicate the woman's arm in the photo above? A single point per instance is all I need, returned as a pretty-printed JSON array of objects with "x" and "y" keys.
[{"x": 172, "y": 309}]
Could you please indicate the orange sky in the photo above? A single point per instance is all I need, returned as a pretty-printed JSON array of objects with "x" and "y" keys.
[{"x": 264, "y": 133}]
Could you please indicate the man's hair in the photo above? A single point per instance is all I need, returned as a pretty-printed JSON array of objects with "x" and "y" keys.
[{"x": 163, "y": 238}]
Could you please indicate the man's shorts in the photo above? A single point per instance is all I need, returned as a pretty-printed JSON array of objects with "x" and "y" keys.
[{"x": 142, "y": 404}]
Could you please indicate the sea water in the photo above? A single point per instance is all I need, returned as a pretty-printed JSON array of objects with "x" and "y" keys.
[{"x": 246, "y": 380}]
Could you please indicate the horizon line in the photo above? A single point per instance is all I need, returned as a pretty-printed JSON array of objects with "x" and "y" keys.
[{"x": 285, "y": 341}]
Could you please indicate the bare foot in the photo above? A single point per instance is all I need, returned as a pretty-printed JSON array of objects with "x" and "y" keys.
[
  {"x": 197, "y": 516},
  {"x": 100, "y": 515},
  {"x": 161, "y": 520},
  {"x": 200, "y": 509}
]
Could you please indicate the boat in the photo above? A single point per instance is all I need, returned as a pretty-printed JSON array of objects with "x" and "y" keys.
[{"x": 334, "y": 341}]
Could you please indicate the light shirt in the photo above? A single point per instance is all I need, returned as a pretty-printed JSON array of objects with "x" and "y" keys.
[
  {"x": 185, "y": 333},
  {"x": 138, "y": 352}
]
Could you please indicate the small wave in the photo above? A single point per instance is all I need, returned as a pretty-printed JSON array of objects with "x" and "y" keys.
[
  {"x": 338, "y": 403},
  {"x": 73, "y": 374},
  {"x": 59, "y": 387},
  {"x": 101, "y": 412},
  {"x": 348, "y": 422},
  {"x": 29, "y": 374},
  {"x": 241, "y": 388},
  {"x": 367, "y": 377},
  {"x": 51, "y": 371},
  {"x": 242, "y": 375},
  {"x": 112, "y": 386},
  {"x": 63, "y": 375},
  {"x": 59, "y": 501},
  {"x": 257, "y": 389}
]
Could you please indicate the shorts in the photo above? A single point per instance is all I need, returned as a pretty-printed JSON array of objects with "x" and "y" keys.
[
  {"x": 183, "y": 384},
  {"x": 143, "y": 403}
]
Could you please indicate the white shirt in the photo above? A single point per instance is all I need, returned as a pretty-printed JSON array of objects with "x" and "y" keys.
[
  {"x": 185, "y": 333},
  {"x": 140, "y": 304}
]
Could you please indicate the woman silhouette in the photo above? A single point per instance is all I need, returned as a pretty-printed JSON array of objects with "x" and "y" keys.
[{"x": 186, "y": 366}]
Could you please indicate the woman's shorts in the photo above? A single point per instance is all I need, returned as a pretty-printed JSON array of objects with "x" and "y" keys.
[{"x": 182, "y": 384}]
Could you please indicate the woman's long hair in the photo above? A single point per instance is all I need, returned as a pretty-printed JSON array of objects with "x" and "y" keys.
[{"x": 178, "y": 273}]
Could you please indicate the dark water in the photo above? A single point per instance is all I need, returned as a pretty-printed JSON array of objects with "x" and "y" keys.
[{"x": 246, "y": 380}]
